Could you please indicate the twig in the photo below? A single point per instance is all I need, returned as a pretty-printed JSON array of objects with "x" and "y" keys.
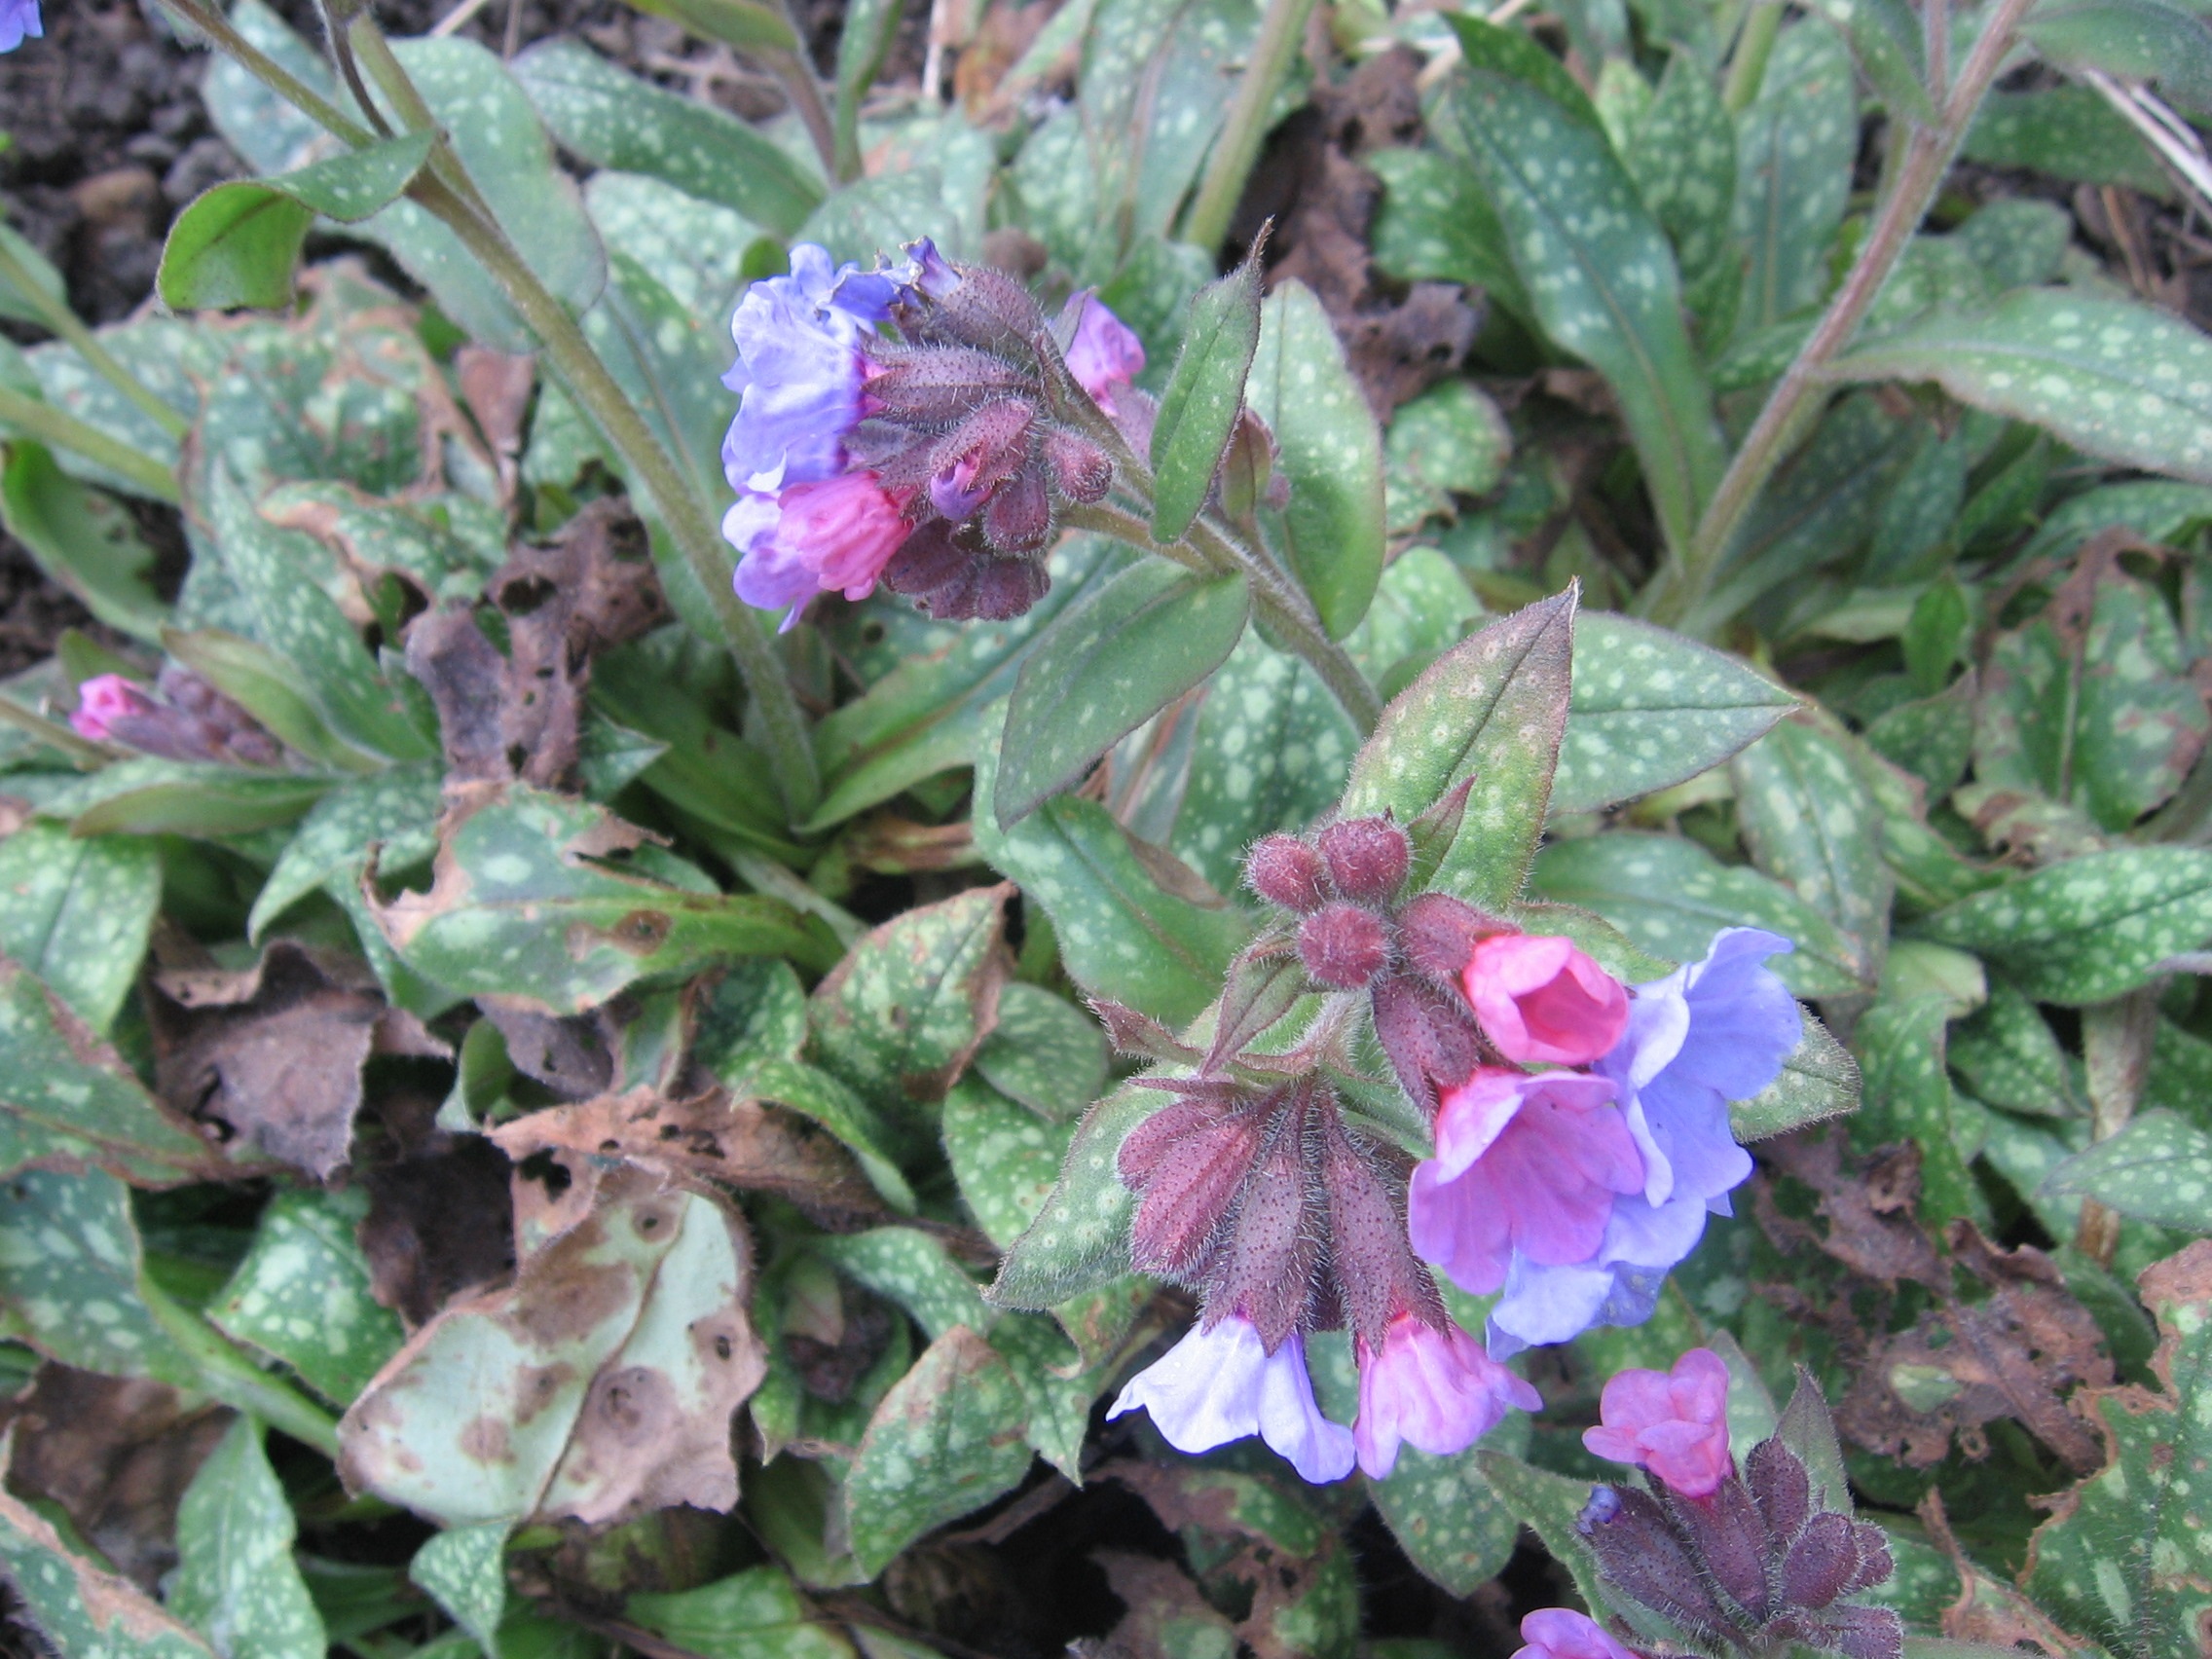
[
  {"x": 2176, "y": 142},
  {"x": 458, "y": 17}
]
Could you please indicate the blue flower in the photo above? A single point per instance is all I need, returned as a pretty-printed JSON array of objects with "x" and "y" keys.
[
  {"x": 1220, "y": 1384},
  {"x": 19, "y": 22},
  {"x": 1709, "y": 1033}
]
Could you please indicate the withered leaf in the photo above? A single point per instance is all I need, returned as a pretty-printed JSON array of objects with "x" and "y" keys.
[
  {"x": 571, "y": 1056},
  {"x": 1869, "y": 1210},
  {"x": 599, "y": 1385},
  {"x": 80, "y": 1606},
  {"x": 275, "y": 1051},
  {"x": 1158, "y": 1595},
  {"x": 437, "y": 1224}
]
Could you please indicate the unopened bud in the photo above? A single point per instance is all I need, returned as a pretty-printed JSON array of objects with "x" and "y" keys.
[
  {"x": 1247, "y": 466},
  {"x": 1081, "y": 470},
  {"x": 1820, "y": 1562},
  {"x": 1019, "y": 516},
  {"x": 1439, "y": 933},
  {"x": 1284, "y": 871},
  {"x": 940, "y": 383},
  {"x": 1344, "y": 945},
  {"x": 1431, "y": 1043},
  {"x": 988, "y": 309},
  {"x": 1367, "y": 859}
]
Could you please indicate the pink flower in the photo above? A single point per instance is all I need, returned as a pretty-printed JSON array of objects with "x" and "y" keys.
[
  {"x": 106, "y": 698},
  {"x": 1524, "y": 1163},
  {"x": 832, "y": 536},
  {"x": 1675, "y": 1425},
  {"x": 1560, "y": 1632},
  {"x": 1433, "y": 1388},
  {"x": 1105, "y": 355},
  {"x": 1541, "y": 1000}
]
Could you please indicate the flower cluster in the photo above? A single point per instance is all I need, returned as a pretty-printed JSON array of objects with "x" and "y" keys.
[
  {"x": 920, "y": 424},
  {"x": 19, "y": 22},
  {"x": 1751, "y": 1561},
  {"x": 188, "y": 720},
  {"x": 1581, "y": 1136}
]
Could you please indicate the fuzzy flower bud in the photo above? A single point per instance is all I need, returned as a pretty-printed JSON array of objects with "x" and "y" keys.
[
  {"x": 1344, "y": 945},
  {"x": 1367, "y": 859},
  {"x": 104, "y": 699},
  {"x": 1674, "y": 1423},
  {"x": 1540, "y": 1000},
  {"x": 1284, "y": 871}
]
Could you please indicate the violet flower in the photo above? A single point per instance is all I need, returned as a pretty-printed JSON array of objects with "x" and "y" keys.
[
  {"x": 1561, "y": 1633},
  {"x": 1220, "y": 1384},
  {"x": 1673, "y": 1424},
  {"x": 1431, "y": 1386},
  {"x": 19, "y": 22},
  {"x": 1105, "y": 356}
]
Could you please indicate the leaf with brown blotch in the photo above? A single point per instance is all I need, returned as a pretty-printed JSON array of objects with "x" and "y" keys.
[
  {"x": 597, "y": 1385},
  {"x": 275, "y": 1051}
]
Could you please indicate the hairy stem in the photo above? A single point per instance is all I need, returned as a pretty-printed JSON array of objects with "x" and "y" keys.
[
  {"x": 270, "y": 73},
  {"x": 1238, "y": 146},
  {"x": 58, "y": 428},
  {"x": 1746, "y": 64},
  {"x": 1927, "y": 158},
  {"x": 65, "y": 324}
]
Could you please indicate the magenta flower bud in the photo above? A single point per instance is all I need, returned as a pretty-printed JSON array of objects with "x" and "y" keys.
[
  {"x": 104, "y": 699},
  {"x": 1540, "y": 1000},
  {"x": 1367, "y": 859},
  {"x": 1105, "y": 356},
  {"x": 1189, "y": 1161},
  {"x": 1437, "y": 934},
  {"x": 1220, "y": 1383},
  {"x": 984, "y": 451},
  {"x": 1673, "y": 1424},
  {"x": 940, "y": 383},
  {"x": 1081, "y": 470},
  {"x": 1344, "y": 945},
  {"x": 835, "y": 536},
  {"x": 1560, "y": 1632},
  {"x": 19, "y": 22},
  {"x": 1859, "y": 1633},
  {"x": 1641, "y": 1554},
  {"x": 1429, "y": 1042},
  {"x": 1822, "y": 1561},
  {"x": 1019, "y": 516},
  {"x": 1430, "y": 1386},
  {"x": 1284, "y": 871}
]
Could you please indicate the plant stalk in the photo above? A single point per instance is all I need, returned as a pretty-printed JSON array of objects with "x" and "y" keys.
[
  {"x": 271, "y": 73},
  {"x": 58, "y": 428},
  {"x": 236, "y": 1380},
  {"x": 1746, "y": 64},
  {"x": 1206, "y": 225},
  {"x": 796, "y": 76},
  {"x": 65, "y": 325},
  {"x": 1928, "y": 158},
  {"x": 2116, "y": 1051}
]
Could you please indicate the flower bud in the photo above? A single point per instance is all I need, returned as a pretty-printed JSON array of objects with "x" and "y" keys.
[
  {"x": 1438, "y": 935},
  {"x": 1080, "y": 470},
  {"x": 1431, "y": 1043},
  {"x": 1822, "y": 1559},
  {"x": 1343, "y": 945},
  {"x": 987, "y": 308},
  {"x": 1284, "y": 871},
  {"x": 1641, "y": 1555},
  {"x": 1268, "y": 1269},
  {"x": 1019, "y": 516},
  {"x": 940, "y": 383},
  {"x": 1367, "y": 859},
  {"x": 1781, "y": 1485}
]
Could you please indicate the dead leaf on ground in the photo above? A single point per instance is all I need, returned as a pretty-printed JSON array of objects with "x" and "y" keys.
[
  {"x": 1988, "y": 1609},
  {"x": 1869, "y": 1209},
  {"x": 597, "y": 1385},
  {"x": 437, "y": 1224},
  {"x": 573, "y": 1056},
  {"x": 496, "y": 388},
  {"x": 117, "y": 1454},
  {"x": 273, "y": 1053}
]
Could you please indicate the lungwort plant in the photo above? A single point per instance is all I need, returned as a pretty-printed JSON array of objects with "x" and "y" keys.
[{"x": 1090, "y": 923}]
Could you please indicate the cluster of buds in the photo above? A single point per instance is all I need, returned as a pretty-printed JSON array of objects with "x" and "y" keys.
[
  {"x": 921, "y": 424},
  {"x": 184, "y": 719},
  {"x": 1749, "y": 1560},
  {"x": 1581, "y": 1136}
]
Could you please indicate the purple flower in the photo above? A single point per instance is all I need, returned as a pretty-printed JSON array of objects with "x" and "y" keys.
[
  {"x": 833, "y": 537},
  {"x": 1674, "y": 1423},
  {"x": 1432, "y": 1387},
  {"x": 1105, "y": 355},
  {"x": 1709, "y": 1033},
  {"x": 19, "y": 22},
  {"x": 1220, "y": 1384},
  {"x": 1560, "y": 1632},
  {"x": 1526, "y": 1166},
  {"x": 800, "y": 368},
  {"x": 106, "y": 698}
]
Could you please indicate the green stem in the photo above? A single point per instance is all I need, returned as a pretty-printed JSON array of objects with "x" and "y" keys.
[
  {"x": 65, "y": 324},
  {"x": 58, "y": 428},
  {"x": 1928, "y": 158},
  {"x": 236, "y": 1380},
  {"x": 271, "y": 73},
  {"x": 1747, "y": 65},
  {"x": 1238, "y": 146},
  {"x": 796, "y": 76}
]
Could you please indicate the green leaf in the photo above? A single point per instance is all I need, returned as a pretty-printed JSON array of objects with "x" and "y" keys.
[
  {"x": 1885, "y": 38},
  {"x": 2007, "y": 1055},
  {"x": 1493, "y": 709},
  {"x": 69, "y": 1100},
  {"x": 900, "y": 1018},
  {"x": 1797, "y": 142},
  {"x": 932, "y": 710},
  {"x": 1104, "y": 668},
  {"x": 1005, "y": 1158},
  {"x": 72, "y": 1277},
  {"x": 1810, "y": 824},
  {"x": 753, "y": 1614},
  {"x": 598, "y": 1385},
  {"x": 945, "y": 1439},
  {"x": 2017, "y": 241},
  {"x": 1133, "y": 924},
  {"x": 815, "y": 1094},
  {"x": 753, "y": 1012},
  {"x": 2121, "y": 381},
  {"x": 1452, "y": 440},
  {"x": 464, "y": 1569},
  {"x": 1930, "y": 739},
  {"x": 2067, "y": 132},
  {"x": 1683, "y": 161},
  {"x": 235, "y": 1578},
  {"x": 1650, "y": 709},
  {"x": 524, "y": 904},
  {"x": 747, "y": 25},
  {"x": 863, "y": 40},
  {"x": 1329, "y": 451},
  {"x": 910, "y": 1266},
  {"x": 2139, "y": 40},
  {"x": 81, "y": 540},
  {"x": 2089, "y": 930},
  {"x": 2158, "y": 1169},
  {"x": 1078, "y": 1242},
  {"x": 396, "y": 810},
  {"x": 77, "y": 911},
  {"x": 304, "y": 1293},
  {"x": 1908, "y": 1097},
  {"x": 1046, "y": 1052},
  {"x": 1447, "y": 1518},
  {"x": 238, "y": 243},
  {"x": 16, "y": 304},
  {"x": 611, "y": 119},
  {"x": 1598, "y": 272},
  {"x": 1819, "y": 1080},
  {"x": 1547, "y": 1504},
  {"x": 1435, "y": 224},
  {"x": 2127, "y": 1555},
  {"x": 84, "y": 1610},
  {"x": 1671, "y": 896},
  {"x": 1200, "y": 407},
  {"x": 663, "y": 353},
  {"x": 146, "y": 795}
]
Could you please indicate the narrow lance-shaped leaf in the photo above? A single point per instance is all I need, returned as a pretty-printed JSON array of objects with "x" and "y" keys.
[
  {"x": 1198, "y": 409},
  {"x": 83, "y": 539},
  {"x": 237, "y": 1579}
]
